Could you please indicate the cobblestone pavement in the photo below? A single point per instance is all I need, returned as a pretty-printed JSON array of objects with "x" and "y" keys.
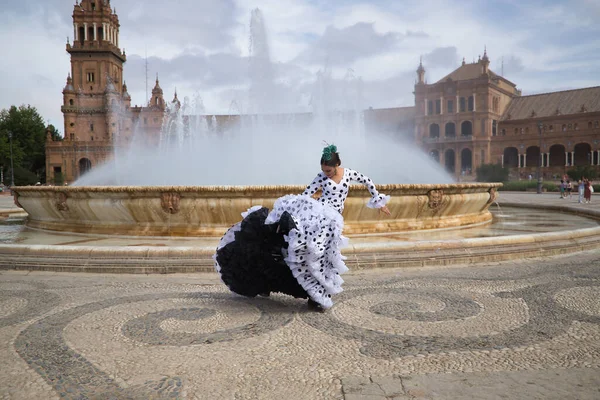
[{"x": 519, "y": 330}]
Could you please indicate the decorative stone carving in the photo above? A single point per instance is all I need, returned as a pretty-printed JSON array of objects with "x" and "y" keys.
[
  {"x": 493, "y": 195},
  {"x": 61, "y": 201},
  {"x": 169, "y": 202},
  {"x": 16, "y": 199},
  {"x": 436, "y": 199}
]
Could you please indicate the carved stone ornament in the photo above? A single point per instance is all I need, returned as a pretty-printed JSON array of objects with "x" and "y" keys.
[
  {"x": 16, "y": 199},
  {"x": 169, "y": 202},
  {"x": 61, "y": 201},
  {"x": 493, "y": 195},
  {"x": 436, "y": 199}
]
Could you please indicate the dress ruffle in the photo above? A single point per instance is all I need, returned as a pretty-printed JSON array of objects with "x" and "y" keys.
[
  {"x": 313, "y": 253},
  {"x": 250, "y": 256},
  {"x": 295, "y": 249},
  {"x": 378, "y": 201}
]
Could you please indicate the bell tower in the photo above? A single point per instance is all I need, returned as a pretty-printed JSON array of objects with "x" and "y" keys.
[{"x": 95, "y": 52}]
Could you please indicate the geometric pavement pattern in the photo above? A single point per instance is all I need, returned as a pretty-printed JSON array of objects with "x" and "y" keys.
[{"x": 77, "y": 336}]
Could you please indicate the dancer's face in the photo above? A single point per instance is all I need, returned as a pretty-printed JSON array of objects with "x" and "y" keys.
[{"x": 328, "y": 171}]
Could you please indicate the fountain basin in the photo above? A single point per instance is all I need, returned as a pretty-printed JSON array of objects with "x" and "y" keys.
[{"x": 210, "y": 210}]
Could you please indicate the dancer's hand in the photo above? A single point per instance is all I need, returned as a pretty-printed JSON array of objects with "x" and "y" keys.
[{"x": 385, "y": 210}]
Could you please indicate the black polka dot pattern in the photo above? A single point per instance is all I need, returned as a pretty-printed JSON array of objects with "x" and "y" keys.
[
  {"x": 335, "y": 193},
  {"x": 313, "y": 255}
]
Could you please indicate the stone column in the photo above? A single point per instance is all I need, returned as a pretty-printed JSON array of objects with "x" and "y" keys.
[
  {"x": 426, "y": 109},
  {"x": 547, "y": 159},
  {"x": 75, "y": 28},
  {"x": 566, "y": 158},
  {"x": 474, "y": 102},
  {"x": 85, "y": 31},
  {"x": 572, "y": 159},
  {"x": 502, "y": 160},
  {"x": 457, "y": 105},
  {"x": 104, "y": 31},
  {"x": 442, "y": 105},
  {"x": 95, "y": 35}
]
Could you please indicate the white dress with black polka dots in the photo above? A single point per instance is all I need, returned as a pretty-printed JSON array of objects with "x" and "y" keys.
[{"x": 314, "y": 251}]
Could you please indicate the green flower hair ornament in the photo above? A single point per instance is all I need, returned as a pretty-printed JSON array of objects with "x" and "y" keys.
[{"x": 328, "y": 152}]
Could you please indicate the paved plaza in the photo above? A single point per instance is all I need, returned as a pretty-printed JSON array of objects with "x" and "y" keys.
[
  {"x": 521, "y": 329},
  {"x": 517, "y": 330}
]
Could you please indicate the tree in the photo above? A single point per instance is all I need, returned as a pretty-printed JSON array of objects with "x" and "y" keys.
[
  {"x": 582, "y": 171},
  {"x": 28, "y": 139},
  {"x": 56, "y": 136},
  {"x": 492, "y": 173}
]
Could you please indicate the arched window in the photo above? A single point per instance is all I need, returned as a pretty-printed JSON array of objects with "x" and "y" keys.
[
  {"x": 435, "y": 155},
  {"x": 516, "y": 131},
  {"x": 84, "y": 166},
  {"x": 590, "y": 125},
  {"x": 564, "y": 128},
  {"x": 551, "y": 128},
  {"x": 595, "y": 124},
  {"x": 450, "y": 130},
  {"x": 466, "y": 128},
  {"x": 576, "y": 126},
  {"x": 434, "y": 131},
  {"x": 526, "y": 130},
  {"x": 71, "y": 102}
]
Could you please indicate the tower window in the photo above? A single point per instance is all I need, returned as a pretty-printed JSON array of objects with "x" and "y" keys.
[
  {"x": 93, "y": 6},
  {"x": 70, "y": 102},
  {"x": 72, "y": 136},
  {"x": 90, "y": 77},
  {"x": 92, "y": 127}
]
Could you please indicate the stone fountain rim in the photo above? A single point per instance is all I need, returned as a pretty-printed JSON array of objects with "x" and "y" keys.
[{"x": 250, "y": 188}]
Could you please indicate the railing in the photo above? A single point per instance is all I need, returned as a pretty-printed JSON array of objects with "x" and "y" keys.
[{"x": 446, "y": 139}]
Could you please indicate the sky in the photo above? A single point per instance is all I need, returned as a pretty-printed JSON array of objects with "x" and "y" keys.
[{"x": 202, "y": 49}]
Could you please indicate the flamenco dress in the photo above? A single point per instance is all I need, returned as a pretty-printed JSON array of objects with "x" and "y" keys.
[{"x": 296, "y": 247}]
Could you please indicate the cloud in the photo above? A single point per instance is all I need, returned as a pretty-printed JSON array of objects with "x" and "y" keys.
[
  {"x": 338, "y": 46},
  {"x": 446, "y": 57},
  {"x": 203, "y": 47}
]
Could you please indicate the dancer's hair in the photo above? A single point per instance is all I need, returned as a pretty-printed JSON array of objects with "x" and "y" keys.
[{"x": 330, "y": 157}]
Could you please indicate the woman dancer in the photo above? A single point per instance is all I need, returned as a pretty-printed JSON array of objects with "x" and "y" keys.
[{"x": 295, "y": 248}]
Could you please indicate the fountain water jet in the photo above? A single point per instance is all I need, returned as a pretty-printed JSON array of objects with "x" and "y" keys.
[{"x": 206, "y": 169}]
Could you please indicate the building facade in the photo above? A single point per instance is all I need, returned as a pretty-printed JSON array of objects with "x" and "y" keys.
[
  {"x": 473, "y": 116},
  {"x": 470, "y": 117},
  {"x": 96, "y": 106}
]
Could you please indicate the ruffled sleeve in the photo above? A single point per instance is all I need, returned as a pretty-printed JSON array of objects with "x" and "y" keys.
[
  {"x": 377, "y": 200},
  {"x": 314, "y": 186}
]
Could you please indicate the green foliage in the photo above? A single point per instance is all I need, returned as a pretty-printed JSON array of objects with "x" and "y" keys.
[
  {"x": 492, "y": 173},
  {"x": 28, "y": 141},
  {"x": 59, "y": 179},
  {"x": 56, "y": 136},
  {"x": 582, "y": 171},
  {"x": 24, "y": 177},
  {"x": 523, "y": 186}
]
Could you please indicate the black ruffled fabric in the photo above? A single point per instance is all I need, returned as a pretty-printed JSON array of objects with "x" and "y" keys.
[{"x": 254, "y": 263}]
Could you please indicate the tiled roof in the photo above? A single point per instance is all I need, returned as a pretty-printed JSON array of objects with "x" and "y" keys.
[
  {"x": 466, "y": 72},
  {"x": 555, "y": 103},
  {"x": 471, "y": 71}
]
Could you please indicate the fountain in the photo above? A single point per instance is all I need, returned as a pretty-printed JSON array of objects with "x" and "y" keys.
[{"x": 208, "y": 170}]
